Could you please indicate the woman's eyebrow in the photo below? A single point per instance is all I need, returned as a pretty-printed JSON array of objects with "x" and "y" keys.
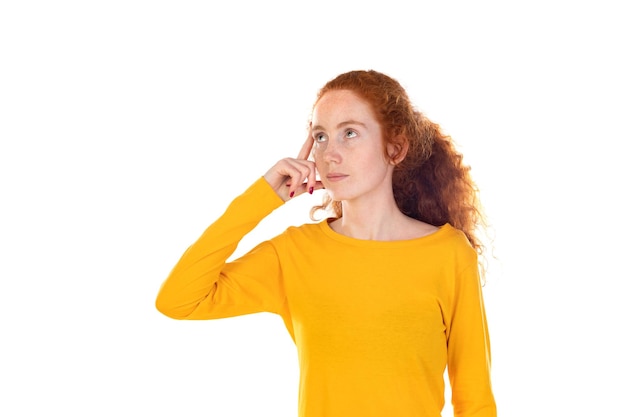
[{"x": 340, "y": 125}]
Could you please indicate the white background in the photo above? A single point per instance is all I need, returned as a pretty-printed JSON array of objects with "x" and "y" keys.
[{"x": 126, "y": 127}]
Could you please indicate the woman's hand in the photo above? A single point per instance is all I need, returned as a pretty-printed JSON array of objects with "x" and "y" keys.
[{"x": 291, "y": 177}]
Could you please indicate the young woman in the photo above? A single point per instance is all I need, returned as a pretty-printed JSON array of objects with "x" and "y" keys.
[{"x": 383, "y": 295}]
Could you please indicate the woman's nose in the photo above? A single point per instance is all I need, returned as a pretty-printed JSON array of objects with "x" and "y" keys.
[{"x": 331, "y": 153}]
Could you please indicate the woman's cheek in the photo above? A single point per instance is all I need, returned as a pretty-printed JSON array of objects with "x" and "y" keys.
[{"x": 317, "y": 153}]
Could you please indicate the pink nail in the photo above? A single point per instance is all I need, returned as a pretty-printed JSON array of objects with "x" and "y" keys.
[
  {"x": 291, "y": 194},
  {"x": 311, "y": 190}
]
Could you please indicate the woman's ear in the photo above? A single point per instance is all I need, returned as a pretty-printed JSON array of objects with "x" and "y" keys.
[{"x": 397, "y": 149}]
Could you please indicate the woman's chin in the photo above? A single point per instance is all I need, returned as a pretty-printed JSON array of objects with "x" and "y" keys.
[{"x": 335, "y": 196}]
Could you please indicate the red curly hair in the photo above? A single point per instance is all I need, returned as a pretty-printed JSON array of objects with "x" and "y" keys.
[{"x": 431, "y": 183}]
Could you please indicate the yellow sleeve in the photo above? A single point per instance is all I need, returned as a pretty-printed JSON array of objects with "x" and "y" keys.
[
  {"x": 469, "y": 355},
  {"x": 203, "y": 285}
]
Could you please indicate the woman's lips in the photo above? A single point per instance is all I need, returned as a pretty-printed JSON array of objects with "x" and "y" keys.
[{"x": 334, "y": 177}]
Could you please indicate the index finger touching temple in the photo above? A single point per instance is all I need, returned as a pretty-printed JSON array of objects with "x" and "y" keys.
[{"x": 306, "y": 148}]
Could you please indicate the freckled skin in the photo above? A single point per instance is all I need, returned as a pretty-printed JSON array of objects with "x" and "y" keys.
[{"x": 348, "y": 149}]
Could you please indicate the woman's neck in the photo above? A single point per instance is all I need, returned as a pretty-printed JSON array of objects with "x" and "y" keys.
[
  {"x": 369, "y": 221},
  {"x": 381, "y": 220}
]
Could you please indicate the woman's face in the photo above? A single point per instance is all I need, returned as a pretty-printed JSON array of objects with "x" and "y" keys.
[{"x": 348, "y": 148}]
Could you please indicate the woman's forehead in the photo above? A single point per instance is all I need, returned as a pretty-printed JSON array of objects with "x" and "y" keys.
[{"x": 336, "y": 105}]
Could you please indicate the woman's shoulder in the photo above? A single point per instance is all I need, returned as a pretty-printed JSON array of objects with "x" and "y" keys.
[
  {"x": 458, "y": 244},
  {"x": 445, "y": 234},
  {"x": 302, "y": 231}
]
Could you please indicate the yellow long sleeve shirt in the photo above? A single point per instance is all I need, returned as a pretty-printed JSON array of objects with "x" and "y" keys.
[{"x": 375, "y": 323}]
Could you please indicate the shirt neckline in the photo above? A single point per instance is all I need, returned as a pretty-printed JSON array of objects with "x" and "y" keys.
[{"x": 325, "y": 227}]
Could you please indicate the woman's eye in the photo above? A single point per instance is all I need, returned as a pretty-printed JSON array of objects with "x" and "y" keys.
[
  {"x": 350, "y": 133},
  {"x": 319, "y": 137}
]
